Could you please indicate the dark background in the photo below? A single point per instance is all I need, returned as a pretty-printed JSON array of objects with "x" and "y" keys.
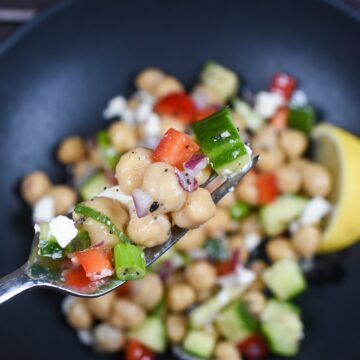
[{"x": 56, "y": 79}]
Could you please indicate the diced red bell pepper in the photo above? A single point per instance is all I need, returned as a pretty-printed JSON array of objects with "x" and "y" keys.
[
  {"x": 267, "y": 188},
  {"x": 135, "y": 350},
  {"x": 227, "y": 267},
  {"x": 124, "y": 289},
  {"x": 283, "y": 84},
  {"x": 178, "y": 105},
  {"x": 254, "y": 347},
  {"x": 280, "y": 119},
  {"x": 95, "y": 262},
  {"x": 76, "y": 278},
  {"x": 175, "y": 148},
  {"x": 204, "y": 113}
]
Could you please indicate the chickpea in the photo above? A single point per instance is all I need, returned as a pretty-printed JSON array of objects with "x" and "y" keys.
[
  {"x": 163, "y": 185},
  {"x": 271, "y": 159},
  {"x": 225, "y": 350},
  {"x": 199, "y": 207},
  {"x": 122, "y": 136},
  {"x": 150, "y": 230},
  {"x": 228, "y": 200},
  {"x": 193, "y": 239},
  {"x": 175, "y": 278},
  {"x": 167, "y": 85},
  {"x": 180, "y": 296},
  {"x": 78, "y": 316},
  {"x": 201, "y": 275},
  {"x": 280, "y": 248},
  {"x": 247, "y": 190},
  {"x": 255, "y": 301},
  {"x": 237, "y": 243},
  {"x": 64, "y": 198},
  {"x": 99, "y": 232},
  {"x": 251, "y": 224},
  {"x": 288, "y": 179},
  {"x": 147, "y": 79},
  {"x": 71, "y": 150},
  {"x": 148, "y": 291},
  {"x": 34, "y": 186},
  {"x": 168, "y": 122},
  {"x": 265, "y": 139},
  {"x": 108, "y": 339},
  {"x": 238, "y": 121},
  {"x": 203, "y": 175},
  {"x": 306, "y": 240},
  {"x": 316, "y": 180},
  {"x": 293, "y": 142},
  {"x": 175, "y": 327},
  {"x": 219, "y": 223},
  {"x": 126, "y": 314},
  {"x": 100, "y": 307},
  {"x": 131, "y": 168}
]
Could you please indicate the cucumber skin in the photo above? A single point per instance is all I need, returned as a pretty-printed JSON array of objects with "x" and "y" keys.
[
  {"x": 199, "y": 343},
  {"x": 151, "y": 333},
  {"x": 302, "y": 119},
  {"x": 225, "y": 153},
  {"x": 285, "y": 269}
]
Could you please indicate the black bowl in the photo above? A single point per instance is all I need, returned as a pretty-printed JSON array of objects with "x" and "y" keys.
[{"x": 58, "y": 72}]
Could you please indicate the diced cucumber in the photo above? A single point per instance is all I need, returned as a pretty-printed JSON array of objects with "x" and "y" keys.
[
  {"x": 151, "y": 333},
  {"x": 109, "y": 155},
  {"x": 94, "y": 186},
  {"x": 199, "y": 343},
  {"x": 276, "y": 216},
  {"x": 49, "y": 247},
  {"x": 282, "y": 326},
  {"x": 221, "y": 80},
  {"x": 285, "y": 279},
  {"x": 80, "y": 242},
  {"x": 221, "y": 142},
  {"x": 275, "y": 308},
  {"x": 206, "y": 312},
  {"x": 302, "y": 118},
  {"x": 235, "y": 323},
  {"x": 248, "y": 116},
  {"x": 239, "y": 210}
]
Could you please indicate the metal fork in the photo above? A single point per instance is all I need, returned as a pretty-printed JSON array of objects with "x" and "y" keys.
[{"x": 43, "y": 273}]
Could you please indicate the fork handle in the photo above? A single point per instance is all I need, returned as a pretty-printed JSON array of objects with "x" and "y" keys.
[{"x": 14, "y": 283}]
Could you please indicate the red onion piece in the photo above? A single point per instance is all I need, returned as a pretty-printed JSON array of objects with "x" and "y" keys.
[
  {"x": 196, "y": 163},
  {"x": 142, "y": 202},
  {"x": 187, "y": 181},
  {"x": 99, "y": 243}
]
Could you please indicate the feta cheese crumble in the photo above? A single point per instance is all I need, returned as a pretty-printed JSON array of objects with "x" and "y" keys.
[
  {"x": 44, "y": 210},
  {"x": 115, "y": 107},
  {"x": 63, "y": 230},
  {"x": 266, "y": 103},
  {"x": 298, "y": 99},
  {"x": 252, "y": 241}
]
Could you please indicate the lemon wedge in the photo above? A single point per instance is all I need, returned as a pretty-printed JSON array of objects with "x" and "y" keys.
[{"x": 339, "y": 151}]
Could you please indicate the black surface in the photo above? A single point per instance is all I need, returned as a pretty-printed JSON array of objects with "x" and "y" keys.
[{"x": 58, "y": 73}]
